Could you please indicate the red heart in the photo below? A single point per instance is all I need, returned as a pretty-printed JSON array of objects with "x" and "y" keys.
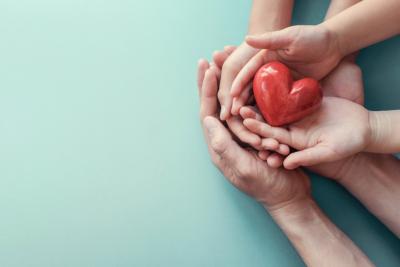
[{"x": 282, "y": 101}]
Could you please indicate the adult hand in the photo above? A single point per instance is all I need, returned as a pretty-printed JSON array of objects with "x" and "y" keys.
[
  {"x": 345, "y": 81},
  {"x": 272, "y": 187}
]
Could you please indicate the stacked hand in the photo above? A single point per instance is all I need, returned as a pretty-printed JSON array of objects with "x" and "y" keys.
[
  {"x": 318, "y": 142},
  {"x": 274, "y": 188},
  {"x": 339, "y": 129}
]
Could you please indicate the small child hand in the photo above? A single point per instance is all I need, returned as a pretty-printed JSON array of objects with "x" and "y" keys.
[
  {"x": 274, "y": 158},
  {"x": 340, "y": 128},
  {"x": 310, "y": 51},
  {"x": 235, "y": 122}
]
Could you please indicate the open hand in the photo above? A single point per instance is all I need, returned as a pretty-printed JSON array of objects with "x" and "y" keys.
[{"x": 339, "y": 129}]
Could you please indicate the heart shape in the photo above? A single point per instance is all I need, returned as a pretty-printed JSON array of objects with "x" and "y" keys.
[{"x": 282, "y": 101}]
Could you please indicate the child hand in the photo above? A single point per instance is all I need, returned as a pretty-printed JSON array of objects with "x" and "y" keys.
[
  {"x": 310, "y": 51},
  {"x": 340, "y": 128},
  {"x": 230, "y": 67},
  {"x": 274, "y": 158},
  {"x": 235, "y": 122}
]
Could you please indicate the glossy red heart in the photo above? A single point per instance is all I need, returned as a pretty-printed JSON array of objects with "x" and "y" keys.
[{"x": 282, "y": 101}]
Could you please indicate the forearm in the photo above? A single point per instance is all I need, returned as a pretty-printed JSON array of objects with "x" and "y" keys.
[
  {"x": 365, "y": 23},
  {"x": 270, "y": 15},
  {"x": 318, "y": 241},
  {"x": 385, "y": 131},
  {"x": 337, "y": 6},
  {"x": 375, "y": 180}
]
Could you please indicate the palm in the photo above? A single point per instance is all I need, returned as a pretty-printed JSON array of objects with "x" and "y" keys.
[
  {"x": 339, "y": 127},
  {"x": 344, "y": 81}
]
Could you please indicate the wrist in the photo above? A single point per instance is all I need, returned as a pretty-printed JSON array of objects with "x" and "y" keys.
[
  {"x": 315, "y": 237},
  {"x": 337, "y": 46},
  {"x": 375, "y": 131},
  {"x": 297, "y": 211}
]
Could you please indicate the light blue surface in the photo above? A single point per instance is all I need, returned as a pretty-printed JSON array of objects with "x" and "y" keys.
[{"x": 102, "y": 163}]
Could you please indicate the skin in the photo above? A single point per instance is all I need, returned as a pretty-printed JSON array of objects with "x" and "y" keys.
[
  {"x": 331, "y": 40},
  {"x": 284, "y": 194},
  {"x": 372, "y": 178},
  {"x": 355, "y": 30},
  {"x": 339, "y": 129},
  {"x": 266, "y": 15},
  {"x": 302, "y": 221},
  {"x": 344, "y": 81},
  {"x": 235, "y": 123}
]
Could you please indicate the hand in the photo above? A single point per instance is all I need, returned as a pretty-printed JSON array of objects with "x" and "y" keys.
[
  {"x": 336, "y": 170},
  {"x": 339, "y": 129},
  {"x": 274, "y": 188},
  {"x": 274, "y": 159},
  {"x": 310, "y": 51},
  {"x": 230, "y": 68},
  {"x": 235, "y": 122}
]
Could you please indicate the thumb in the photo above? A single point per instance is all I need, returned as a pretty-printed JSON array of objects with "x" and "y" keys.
[
  {"x": 222, "y": 144},
  {"x": 308, "y": 157},
  {"x": 276, "y": 40}
]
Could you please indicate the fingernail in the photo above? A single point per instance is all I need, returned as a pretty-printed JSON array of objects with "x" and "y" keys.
[{"x": 223, "y": 112}]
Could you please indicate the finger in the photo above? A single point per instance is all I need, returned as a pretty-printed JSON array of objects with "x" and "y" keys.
[
  {"x": 208, "y": 99},
  {"x": 219, "y": 58},
  {"x": 275, "y": 40},
  {"x": 263, "y": 154},
  {"x": 246, "y": 74},
  {"x": 202, "y": 66},
  {"x": 235, "y": 124},
  {"x": 229, "y": 49},
  {"x": 273, "y": 145},
  {"x": 308, "y": 157},
  {"x": 228, "y": 75},
  {"x": 265, "y": 130},
  {"x": 216, "y": 70},
  {"x": 269, "y": 144},
  {"x": 283, "y": 149},
  {"x": 275, "y": 160},
  {"x": 241, "y": 100},
  {"x": 248, "y": 112},
  {"x": 222, "y": 144}
]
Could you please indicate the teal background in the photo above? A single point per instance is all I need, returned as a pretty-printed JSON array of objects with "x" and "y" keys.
[{"x": 102, "y": 161}]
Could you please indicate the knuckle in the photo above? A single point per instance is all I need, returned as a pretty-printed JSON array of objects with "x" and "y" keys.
[
  {"x": 218, "y": 145},
  {"x": 221, "y": 94},
  {"x": 245, "y": 172}
]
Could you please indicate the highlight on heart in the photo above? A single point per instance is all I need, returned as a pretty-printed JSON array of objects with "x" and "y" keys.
[{"x": 280, "y": 99}]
